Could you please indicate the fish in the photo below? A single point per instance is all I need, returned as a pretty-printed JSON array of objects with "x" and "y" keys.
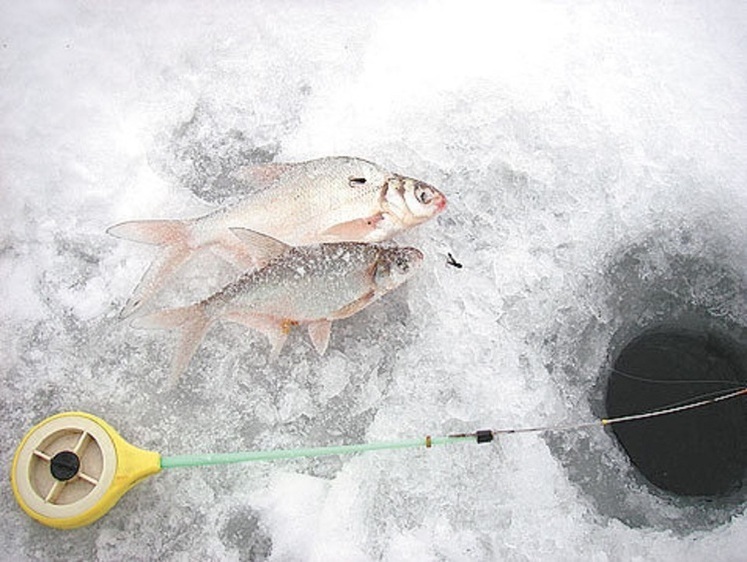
[
  {"x": 331, "y": 199},
  {"x": 299, "y": 285}
]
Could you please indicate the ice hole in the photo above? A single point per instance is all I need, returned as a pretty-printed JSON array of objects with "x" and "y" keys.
[{"x": 697, "y": 452}]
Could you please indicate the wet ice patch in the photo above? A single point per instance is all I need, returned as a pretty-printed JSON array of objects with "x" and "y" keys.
[
  {"x": 243, "y": 536},
  {"x": 203, "y": 153}
]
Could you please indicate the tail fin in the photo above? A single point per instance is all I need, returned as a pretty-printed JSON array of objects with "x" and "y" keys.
[
  {"x": 154, "y": 232},
  {"x": 192, "y": 323},
  {"x": 174, "y": 235}
]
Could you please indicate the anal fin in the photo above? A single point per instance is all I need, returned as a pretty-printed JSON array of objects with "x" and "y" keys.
[
  {"x": 355, "y": 230},
  {"x": 275, "y": 329}
]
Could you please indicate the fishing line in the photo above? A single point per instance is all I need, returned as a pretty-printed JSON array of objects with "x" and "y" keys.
[
  {"x": 614, "y": 371},
  {"x": 70, "y": 469},
  {"x": 734, "y": 384},
  {"x": 703, "y": 400},
  {"x": 482, "y": 436}
]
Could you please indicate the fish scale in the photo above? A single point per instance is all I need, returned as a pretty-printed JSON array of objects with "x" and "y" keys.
[{"x": 318, "y": 280}]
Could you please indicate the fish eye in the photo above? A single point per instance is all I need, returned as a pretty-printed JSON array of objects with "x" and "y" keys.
[
  {"x": 354, "y": 182},
  {"x": 424, "y": 195}
]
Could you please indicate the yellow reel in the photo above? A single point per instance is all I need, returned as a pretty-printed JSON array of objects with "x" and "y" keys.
[{"x": 72, "y": 468}]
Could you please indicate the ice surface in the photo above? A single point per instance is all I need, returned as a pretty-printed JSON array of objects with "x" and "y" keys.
[{"x": 593, "y": 155}]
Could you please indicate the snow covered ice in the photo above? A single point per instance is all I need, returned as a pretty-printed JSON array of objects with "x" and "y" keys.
[{"x": 593, "y": 155}]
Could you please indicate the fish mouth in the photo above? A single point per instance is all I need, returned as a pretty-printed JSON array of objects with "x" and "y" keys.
[
  {"x": 436, "y": 201},
  {"x": 410, "y": 201},
  {"x": 439, "y": 200}
]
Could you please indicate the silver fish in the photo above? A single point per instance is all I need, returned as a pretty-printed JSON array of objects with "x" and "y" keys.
[
  {"x": 306, "y": 285},
  {"x": 331, "y": 199}
]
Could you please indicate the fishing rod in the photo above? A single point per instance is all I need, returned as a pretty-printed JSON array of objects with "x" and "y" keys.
[{"x": 72, "y": 468}]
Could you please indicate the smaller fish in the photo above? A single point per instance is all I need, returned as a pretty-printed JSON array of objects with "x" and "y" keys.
[{"x": 305, "y": 285}]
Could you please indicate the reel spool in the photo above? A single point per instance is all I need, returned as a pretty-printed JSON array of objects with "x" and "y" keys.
[{"x": 72, "y": 468}]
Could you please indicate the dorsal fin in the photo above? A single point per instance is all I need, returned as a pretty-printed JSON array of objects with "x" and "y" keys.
[{"x": 261, "y": 246}]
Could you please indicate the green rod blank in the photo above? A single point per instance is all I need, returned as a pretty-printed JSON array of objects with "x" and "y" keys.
[{"x": 251, "y": 456}]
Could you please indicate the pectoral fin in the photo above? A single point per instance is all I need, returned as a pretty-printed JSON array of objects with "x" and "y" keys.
[
  {"x": 319, "y": 334},
  {"x": 355, "y": 306},
  {"x": 357, "y": 229}
]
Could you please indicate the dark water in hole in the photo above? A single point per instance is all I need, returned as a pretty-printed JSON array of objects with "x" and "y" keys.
[{"x": 699, "y": 452}]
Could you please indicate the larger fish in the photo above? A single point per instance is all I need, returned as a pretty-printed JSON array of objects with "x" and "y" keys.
[
  {"x": 326, "y": 200},
  {"x": 310, "y": 285}
]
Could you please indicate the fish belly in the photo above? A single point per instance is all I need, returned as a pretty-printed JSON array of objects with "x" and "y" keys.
[
  {"x": 304, "y": 300},
  {"x": 308, "y": 284}
]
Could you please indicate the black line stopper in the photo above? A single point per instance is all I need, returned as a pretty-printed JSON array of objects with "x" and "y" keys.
[{"x": 484, "y": 435}]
